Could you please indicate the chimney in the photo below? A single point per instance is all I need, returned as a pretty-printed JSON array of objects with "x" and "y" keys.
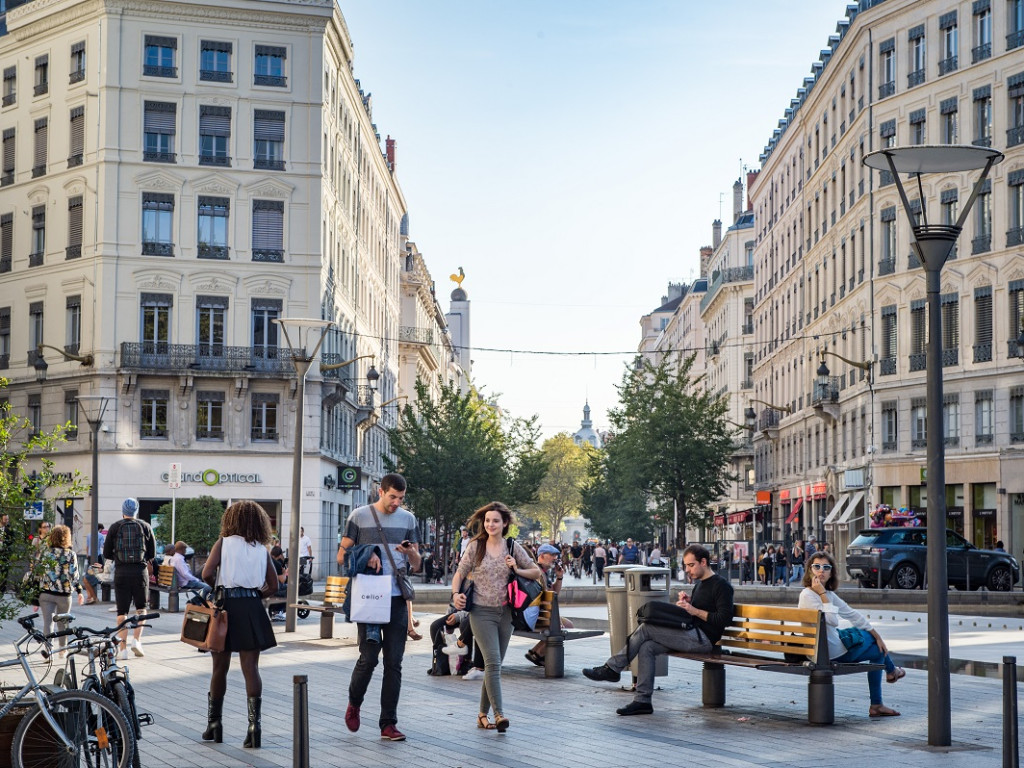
[
  {"x": 389, "y": 150},
  {"x": 737, "y": 200},
  {"x": 705, "y": 257},
  {"x": 751, "y": 177},
  {"x": 716, "y": 233}
]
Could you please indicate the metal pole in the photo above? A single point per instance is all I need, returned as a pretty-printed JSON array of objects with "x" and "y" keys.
[
  {"x": 301, "y": 367},
  {"x": 1011, "y": 752},
  {"x": 94, "y": 519},
  {"x": 300, "y": 722}
]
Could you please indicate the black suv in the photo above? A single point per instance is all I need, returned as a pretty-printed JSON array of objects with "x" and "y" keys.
[{"x": 903, "y": 554}]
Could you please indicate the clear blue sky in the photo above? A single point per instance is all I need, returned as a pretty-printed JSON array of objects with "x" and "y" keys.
[{"x": 571, "y": 157}]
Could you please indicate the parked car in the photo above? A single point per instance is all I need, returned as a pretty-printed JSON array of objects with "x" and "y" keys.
[{"x": 904, "y": 555}]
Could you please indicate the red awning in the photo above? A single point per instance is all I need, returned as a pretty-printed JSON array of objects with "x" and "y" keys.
[
  {"x": 719, "y": 519},
  {"x": 795, "y": 511},
  {"x": 739, "y": 517}
]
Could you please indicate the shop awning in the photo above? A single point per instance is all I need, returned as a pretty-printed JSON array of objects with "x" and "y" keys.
[
  {"x": 831, "y": 517},
  {"x": 851, "y": 508},
  {"x": 739, "y": 517},
  {"x": 795, "y": 511}
]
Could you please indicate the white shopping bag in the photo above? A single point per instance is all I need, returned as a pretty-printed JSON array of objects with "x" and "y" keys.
[{"x": 371, "y": 599}]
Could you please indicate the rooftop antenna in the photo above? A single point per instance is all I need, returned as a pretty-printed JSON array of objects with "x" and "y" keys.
[{"x": 721, "y": 195}]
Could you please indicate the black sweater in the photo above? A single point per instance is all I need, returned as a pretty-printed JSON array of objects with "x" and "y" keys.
[{"x": 714, "y": 595}]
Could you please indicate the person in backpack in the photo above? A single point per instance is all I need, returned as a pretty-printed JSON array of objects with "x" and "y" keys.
[{"x": 132, "y": 547}]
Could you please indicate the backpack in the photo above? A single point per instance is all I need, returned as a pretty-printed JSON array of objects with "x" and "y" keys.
[{"x": 131, "y": 542}]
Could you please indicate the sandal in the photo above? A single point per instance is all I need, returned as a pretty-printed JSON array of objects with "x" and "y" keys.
[
  {"x": 898, "y": 674},
  {"x": 414, "y": 635},
  {"x": 536, "y": 658},
  {"x": 483, "y": 722},
  {"x": 501, "y": 723},
  {"x": 880, "y": 710}
]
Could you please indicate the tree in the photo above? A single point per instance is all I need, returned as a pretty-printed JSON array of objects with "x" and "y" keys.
[
  {"x": 560, "y": 493},
  {"x": 672, "y": 442},
  {"x": 197, "y": 523},
  {"x": 613, "y": 511}
]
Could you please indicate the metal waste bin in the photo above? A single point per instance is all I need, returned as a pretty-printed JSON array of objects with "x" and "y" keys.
[
  {"x": 645, "y": 584},
  {"x": 618, "y": 610}
]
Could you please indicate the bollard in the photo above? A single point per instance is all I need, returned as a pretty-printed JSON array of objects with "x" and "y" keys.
[
  {"x": 300, "y": 722},
  {"x": 1011, "y": 754}
]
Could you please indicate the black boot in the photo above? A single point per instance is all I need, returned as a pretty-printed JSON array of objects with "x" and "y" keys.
[
  {"x": 214, "y": 729},
  {"x": 252, "y": 737}
]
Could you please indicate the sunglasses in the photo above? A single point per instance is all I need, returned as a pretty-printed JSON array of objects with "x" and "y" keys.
[{"x": 821, "y": 567}]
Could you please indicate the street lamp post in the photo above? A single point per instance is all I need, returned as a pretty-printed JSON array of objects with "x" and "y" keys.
[
  {"x": 933, "y": 244},
  {"x": 304, "y": 331},
  {"x": 93, "y": 407}
]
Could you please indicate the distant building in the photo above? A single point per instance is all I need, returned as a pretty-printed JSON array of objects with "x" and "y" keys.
[{"x": 586, "y": 433}]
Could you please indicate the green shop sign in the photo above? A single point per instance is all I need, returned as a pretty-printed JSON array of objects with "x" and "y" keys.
[{"x": 213, "y": 477}]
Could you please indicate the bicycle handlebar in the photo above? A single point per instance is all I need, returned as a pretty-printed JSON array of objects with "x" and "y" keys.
[{"x": 130, "y": 621}]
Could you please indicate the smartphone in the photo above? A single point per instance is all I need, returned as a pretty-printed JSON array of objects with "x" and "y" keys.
[{"x": 406, "y": 543}]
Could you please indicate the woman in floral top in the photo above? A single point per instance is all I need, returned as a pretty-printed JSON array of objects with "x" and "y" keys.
[
  {"x": 55, "y": 565},
  {"x": 491, "y": 617}
]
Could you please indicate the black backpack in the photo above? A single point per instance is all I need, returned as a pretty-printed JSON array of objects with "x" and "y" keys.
[{"x": 131, "y": 542}]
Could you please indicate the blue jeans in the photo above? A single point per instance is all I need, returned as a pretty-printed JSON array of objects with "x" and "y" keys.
[
  {"x": 393, "y": 645},
  {"x": 780, "y": 574},
  {"x": 869, "y": 651},
  {"x": 798, "y": 573}
]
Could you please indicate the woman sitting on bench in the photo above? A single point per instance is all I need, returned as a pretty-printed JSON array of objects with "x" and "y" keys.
[{"x": 858, "y": 643}]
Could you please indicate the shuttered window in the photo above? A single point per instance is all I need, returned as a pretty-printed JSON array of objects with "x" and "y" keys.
[
  {"x": 983, "y": 316},
  {"x": 76, "y": 143},
  {"x": 42, "y": 75},
  {"x": 10, "y": 86},
  {"x": 159, "y": 126},
  {"x": 918, "y": 327},
  {"x": 42, "y": 131},
  {"x": 214, "y": 135},
  {"x": 8, "y": 157},
  {"x": 1016, "y": 300},
  {"x": 6, "y": 241},
  {"x": 74, "y": 249},
  {"x": 35, "y": 257},
  {"x": 269, "y": 66},
  {"x": 950, "y": 303},
  {"x": 157, "y": 224},
  {"x": 889, "y": 331},
  {"x": 268, "y": 230},
  {"x": 160, "y": 56},
  {"x": 268, "y": 139}
]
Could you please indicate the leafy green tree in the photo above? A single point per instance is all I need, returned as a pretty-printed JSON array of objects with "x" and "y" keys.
[
  {"x": 560, "y": 493},
  {"x": 613, "y": 511},
  {"x": 197, "y": 523}
]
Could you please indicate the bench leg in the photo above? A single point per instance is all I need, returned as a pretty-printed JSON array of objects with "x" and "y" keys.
[
  {"x": 105, "y": 592},
  {"x": 172, "y": 602},
  {"x": 554, "y": 656},
  {"x": 326, "y": 625},
  {"x": 821, "y": 700},
  {"x": 154, "y": 599},
  {"x": 713, "y": 684}
]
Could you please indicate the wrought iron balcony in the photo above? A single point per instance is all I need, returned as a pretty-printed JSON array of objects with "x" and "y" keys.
[
  {"x": 158, "y": 357},
  {"x": 151, "y": 70},
  {"x": 413, "y": 335},
  {"x": 984, "y": 439},
  {"x": 76, "y": 77},
  {"x": 207, "y": 251},
  {"x": 1015, "y": 39},
  {"x": 213, "y": 433},
  {"x": 1014, "y": 236},
  {"x": 981, "y": 244},
  {"x": 981, "y": 52},
  {"x": 915, "y": 78},
  {"x": 35, "y": 259},
  {"x": 159, "y": 157},
  {"x": 983, "y": 353},
  {"x": 9, "y": 98},
  {"x": 215, "y": 76},
  {"x": 950, "y": 357},
  {"x": 75, "y": 160},
  {"x": 219, "y": 160},
  {"x": 1015, "y": 136},
  {"x": 273, "y": 255},
  {"x": 157, "y": 249},
  {"x": 268, "y": 165},
  {"x": 918, "y": 361},
  {"x": 947, "y": 65},
  {"x": 264, "y": 435},
  {"x": 277, "y": 81},
  {"x": 887, "y": 89},
  {"x": 158, "y": 432}
]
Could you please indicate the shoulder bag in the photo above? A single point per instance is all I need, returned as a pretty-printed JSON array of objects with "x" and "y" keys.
[
  {"x": 664, "y": 614},
  {"x": 205, "y": 625},
  {"x": 401, "y": 577},
  {"x": 523, "y": 596}
]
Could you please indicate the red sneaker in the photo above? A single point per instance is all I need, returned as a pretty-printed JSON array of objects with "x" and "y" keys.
[
  {"x": 391, "y": 733},
  {"x": 352, "y": 718}
]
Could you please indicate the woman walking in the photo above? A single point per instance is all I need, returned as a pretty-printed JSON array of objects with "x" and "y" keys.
[
  {"x": 490, "y": 562},
  {"x": 242, "y": 567},
  {"x": 55, "y": 567}
]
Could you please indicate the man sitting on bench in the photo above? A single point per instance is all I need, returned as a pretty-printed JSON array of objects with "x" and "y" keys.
[
  {"x": 711, "y": 607},
  {"x": 186, "y": 579}
]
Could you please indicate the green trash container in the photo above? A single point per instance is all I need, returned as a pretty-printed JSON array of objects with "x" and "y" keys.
[
  {"x": 645, "y": 584},
  {"x": 618, "y": 610}
]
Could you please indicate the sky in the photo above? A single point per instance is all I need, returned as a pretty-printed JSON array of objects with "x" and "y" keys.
[{"x": 571, "y": 156}]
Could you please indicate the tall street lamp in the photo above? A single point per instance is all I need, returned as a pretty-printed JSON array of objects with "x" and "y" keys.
[
  {"x": 93, "y": 407},
  {"x": 304, "y": 330},
  {"x": 933, "y": 244}
]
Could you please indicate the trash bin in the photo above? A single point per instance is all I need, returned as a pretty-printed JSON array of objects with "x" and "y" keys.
[
  {"x": 645, "y": 584},
  {"x": 618, "y": 610}
]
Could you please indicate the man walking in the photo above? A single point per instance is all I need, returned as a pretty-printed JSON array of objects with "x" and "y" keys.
[
  {"x": 398, "y": 529},
  {"x": 130, "y": 544},
  {"x": 630, "y": 554},
  {"x": 711, "y": 607}
]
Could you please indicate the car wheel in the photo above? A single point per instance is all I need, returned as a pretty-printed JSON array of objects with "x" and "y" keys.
[
  {"x": 999, "y": 579},
  {"x": 906, "y": 576}
]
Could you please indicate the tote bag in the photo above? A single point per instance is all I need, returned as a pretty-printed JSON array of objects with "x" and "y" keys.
[
  {"x": 204, "y": 626},
  {"x": 371, "y": 599}
]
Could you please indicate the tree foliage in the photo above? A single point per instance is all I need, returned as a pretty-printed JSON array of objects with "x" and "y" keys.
[
  {"x": 197, "y": 523},
  {"x": 560, "y": 493},
  {"x": 614, "y": 508}
]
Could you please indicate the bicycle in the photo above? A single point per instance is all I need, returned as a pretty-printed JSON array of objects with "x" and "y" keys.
[
  {"x": 102, "y": 673},
  {"x": 64, "y": 729}
]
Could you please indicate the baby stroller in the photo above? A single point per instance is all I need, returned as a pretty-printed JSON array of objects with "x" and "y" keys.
[{"x": 305, "y": 584}]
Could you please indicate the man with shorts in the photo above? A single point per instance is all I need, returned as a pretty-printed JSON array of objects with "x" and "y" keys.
[{"x": 132, "y": 547}]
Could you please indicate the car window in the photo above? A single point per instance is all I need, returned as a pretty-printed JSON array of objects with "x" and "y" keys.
[
  {"x": 955, "y": 540},
  {"x": 909, "y": 536},
  {"x": 865, "y": 540}
]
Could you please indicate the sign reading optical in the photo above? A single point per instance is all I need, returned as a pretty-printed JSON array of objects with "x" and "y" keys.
[{"x": 213, "y": 477}]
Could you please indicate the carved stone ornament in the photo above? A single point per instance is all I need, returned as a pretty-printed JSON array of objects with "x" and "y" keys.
[
  {"x": 269, "y": 188},
  {"x": 215, "y": 184},
  {"x": 159, "y": 180}
]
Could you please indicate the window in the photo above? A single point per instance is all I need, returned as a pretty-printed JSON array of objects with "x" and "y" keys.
[
  {"x": 5, "y": 337},
  {"x": 982, "y": 242},
  {"x": 10, "y": 86},
  {"x": 948, "y": 113},
  {"x": 215, "y": 61},
  {"x": 35, "y": 415},
  {"x": 918, "y": 423},
  {"x": 887, "y": 263},
  {"x": 950, "y": 42},
  {"x": 889, "y": 349},
  {"x": 916, "y": 75},
  {"x": 213, "y": 227},
  {"x": 156, "y": 322},
  {"x": 1017, "y": 414},
  {"x": 35, "y": 258},
  {"x": 917, "y": 127},
  {"x": 983, "y": 324},
  {"x": 210, "y": 415},
  {"x": 268, "y": 230},
  {"x": 214, "y": 135},
  {"x": 74, "y": 247},
  {"x": 42, "y": 75},
  {"x": 984, "y": 417},
  {"x": 264, "y": 416},
  {"x": 983, "y": 116},
  {"x": 6, "y": 241},
  {"x": 211, "y": 316},
  {"x": 1015, "y": 114},
  {"x": 887, "y": 71},
  {"x": 153, "y": 417},
  {"x": 951, "y": 419},
  {"x": 41, "y": 139},
  {"x": 264, "y": 329},
  {"x": 8, "y": 158},
  {"x": 949, "y": 206},
  {"x": 1015, "y": 198},
  {"x": 890, "y": 423},
  {"x": 982, "y": 32},
  {"x": 157, "y": 223},
  {"x": 73, "y": 324},
  {"x": 77, "y": 63},
  {"x": 1016, "y": 301},
  {"x": 35, "y": 327},
  {"x": 918, "y": 334},
  {"x": 159, "y": 126},
  {"x": 159, "y": 56},
  {"x": 76, "y": 142},
  {"x": 268, "y": 140},
  {"x": 950, "y": 303},
  {"x": 269, "y": 67},
  {"x": 71, "y": 413},
  {"x": 1014, "y": 24}
]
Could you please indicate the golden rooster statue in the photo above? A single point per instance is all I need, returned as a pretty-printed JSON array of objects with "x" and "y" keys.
[{"x": 457, "y": 279}]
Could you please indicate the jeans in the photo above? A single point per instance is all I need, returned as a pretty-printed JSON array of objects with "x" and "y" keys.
[
  {"x": 798, "y": 573},
  {"x": 646, "y": 643},
  {"x": 492, "y": 628},
  {"x": 393, "y": 645},
  {"x": 869, "y": 651},
  {"x": 780, "y": 574},
  {"x": 49, "y": 604}
]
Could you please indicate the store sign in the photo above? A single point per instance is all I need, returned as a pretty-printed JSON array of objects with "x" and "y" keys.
[
  {"x": 783, "y": 496},
  {"x": 853, "y": 478},
  {"x": 764, "y": 497},
  {"x": 213, "y": 477},
  {"x": 349, "y": 478}
]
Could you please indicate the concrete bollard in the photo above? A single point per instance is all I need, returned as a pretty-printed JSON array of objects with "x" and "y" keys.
[
  {"x": 300, "y": 722},
  {"x": 1011, "y": 753}
]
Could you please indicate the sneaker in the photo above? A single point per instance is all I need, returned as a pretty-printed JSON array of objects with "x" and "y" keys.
[
  {"x": 474, "y": 674},
  {"x": 122, "y": 655},
  {"x": 390, "y": 733},
  {"x": 279, "y": 616},
  {"x": 352, "y": 718},
  {"x": 604, "y": 673},
  {"x": 137, "y": 647},
  {"x": 636, "y": 708},
  {"x": 452, "y": 647}
]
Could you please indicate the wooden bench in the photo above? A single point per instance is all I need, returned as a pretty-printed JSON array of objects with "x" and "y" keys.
[
  {"x": 549, "y": 628},
  {"x": 166, "y": 581},
  {"x": 334, "y": 597},
  {"x": 777, "y": 639}
]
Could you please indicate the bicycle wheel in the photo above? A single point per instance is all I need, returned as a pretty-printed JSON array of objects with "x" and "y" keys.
[
  {"x": 97, "y": 730},
  {"x": 126, "y": 703}
]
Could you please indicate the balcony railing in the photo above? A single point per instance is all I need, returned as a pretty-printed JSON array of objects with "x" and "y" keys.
[
  {"x": 157, "y": 249},
  {"x": 1015, "y": 39},
  {"x": 160, "y": 432},
  {"x": 913, "y": 260},
  {"x": 1015, "y": 136},
  {"x": 76, "y": 77},
  {"x": 915, "y": 78},
  {"x": 277, "y": 81},
  {"x": 918, "y": 361},
  {"x": 825, "y": 392},
  {"x": 214, "y": 76},
  {"x": 263, "y": 435},
  {"x": 1014, "y": 236},
  {"x": 887, "y": 266},
  {"x": 214, "y": 358},
  {"x": 413, "y": 335},
  {"x": 981, "y": 52},
  {"x": 207, "y": 251},
  {"x": 983, "y": 353},
  {"x": 35, "y": 259},
  {"x": 887, "y": 89},
  {"x": 1013, "y": 349},
  {"x": 222, "y": 161},
  {"x": 214, "y": 433},
  {"x": 950, "y": 357},
  {"x": 981, "y": 244},
  {"x": 274, "y": 255},
  {"x": 721, "y": 277},
  {"x": 73, "y": 252},
  {"x": 151, "y": 70},
  {"x": 947, "y": 65}
]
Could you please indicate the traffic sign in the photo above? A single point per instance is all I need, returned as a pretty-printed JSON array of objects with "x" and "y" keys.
[{"x": 174, "y": 476}]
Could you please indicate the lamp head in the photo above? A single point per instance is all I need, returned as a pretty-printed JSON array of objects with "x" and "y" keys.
[
  {"x": 823, "y": 370},
  {"x": 371, "y": 377},
  {"x": 40, "y": 365}
]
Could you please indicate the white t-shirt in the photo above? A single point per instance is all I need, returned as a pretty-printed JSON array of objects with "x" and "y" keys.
[
  {"x": 242, "y": 564},
  {"x": 305, "y": 546}
]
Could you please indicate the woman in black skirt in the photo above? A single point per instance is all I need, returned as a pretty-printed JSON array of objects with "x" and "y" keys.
[{"x": 242, "y": 567}]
